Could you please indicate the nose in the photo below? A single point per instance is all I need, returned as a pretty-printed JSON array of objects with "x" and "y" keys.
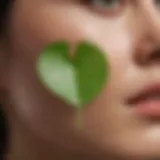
[
  {"x": 147, "y": 44},
  {"x": 147, "y": 52}
]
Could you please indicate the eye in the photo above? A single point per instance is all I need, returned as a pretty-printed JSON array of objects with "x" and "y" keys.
[
  {"x": 157, "y": 2},
  {"x": 105, "y": 3},
  {"x": 105, "y": 6}
]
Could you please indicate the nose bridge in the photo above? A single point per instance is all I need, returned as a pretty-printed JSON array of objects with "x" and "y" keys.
[{"x": 148, "y": 22}]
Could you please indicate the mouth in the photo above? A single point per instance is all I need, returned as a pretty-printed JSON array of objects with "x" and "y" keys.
[{"x": 147, "y": 101}]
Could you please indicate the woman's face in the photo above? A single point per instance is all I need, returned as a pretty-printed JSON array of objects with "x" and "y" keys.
[{"x": 129, "y": 33}]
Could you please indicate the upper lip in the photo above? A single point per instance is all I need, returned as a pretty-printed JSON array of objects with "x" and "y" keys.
[{"x": 145, "y": 93}]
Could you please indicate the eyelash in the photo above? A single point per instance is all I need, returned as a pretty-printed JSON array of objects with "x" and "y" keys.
[{"x": 115, "y": 6}]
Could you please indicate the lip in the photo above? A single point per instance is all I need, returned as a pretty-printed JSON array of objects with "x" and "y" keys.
[{"x": 145, "y": 102}]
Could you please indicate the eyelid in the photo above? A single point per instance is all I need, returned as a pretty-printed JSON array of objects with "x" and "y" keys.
[{"x": 106, "y": 11}]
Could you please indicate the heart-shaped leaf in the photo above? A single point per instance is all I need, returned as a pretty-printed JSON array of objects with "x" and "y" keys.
[{"x": 78, "y": 79}]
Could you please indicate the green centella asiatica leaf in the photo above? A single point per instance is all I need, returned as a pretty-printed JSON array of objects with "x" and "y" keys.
[{"x": 77, "y": 79}]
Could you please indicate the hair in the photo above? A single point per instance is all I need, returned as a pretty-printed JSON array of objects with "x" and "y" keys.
[
  {"x": 3, "y": 133},
  {"x": 3, "y": 12}
]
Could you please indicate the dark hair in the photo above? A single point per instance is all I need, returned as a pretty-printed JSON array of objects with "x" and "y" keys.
[
  {"x": 3, "y": 10},
  {"x": 3, "y": 133},
  {"x": 3, "y": 13}
]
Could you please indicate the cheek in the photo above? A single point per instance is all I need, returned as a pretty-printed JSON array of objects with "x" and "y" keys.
[
  {"x": 30, "y": 31},
  {"x": 39, "y": 27}
]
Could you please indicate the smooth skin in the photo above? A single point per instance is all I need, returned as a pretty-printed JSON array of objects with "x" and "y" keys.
[{"x": 42, "y": 126}]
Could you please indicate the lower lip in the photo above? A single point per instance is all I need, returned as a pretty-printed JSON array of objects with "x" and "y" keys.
[{"x": 148, "y": 108}]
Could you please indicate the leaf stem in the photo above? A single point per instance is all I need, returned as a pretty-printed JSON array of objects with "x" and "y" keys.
[{"x": 79, "y": 122}]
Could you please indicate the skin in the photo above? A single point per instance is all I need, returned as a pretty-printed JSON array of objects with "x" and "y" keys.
[{"x": 41, "y": 125}]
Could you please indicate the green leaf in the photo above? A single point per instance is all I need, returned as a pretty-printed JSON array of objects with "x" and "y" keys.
[
  {"x": 76, "y": 80},
  {"x": 92, "y": 70}
]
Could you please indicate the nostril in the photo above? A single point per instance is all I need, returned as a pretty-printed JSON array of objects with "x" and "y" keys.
[
  {"x": 148, "y": 57},
  {"x": 155, "y": 56}
]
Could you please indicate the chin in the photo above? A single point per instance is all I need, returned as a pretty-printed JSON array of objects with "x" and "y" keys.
[
  {"x": 137, "y": 151},
  {"x": 128, "y": 149}
]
